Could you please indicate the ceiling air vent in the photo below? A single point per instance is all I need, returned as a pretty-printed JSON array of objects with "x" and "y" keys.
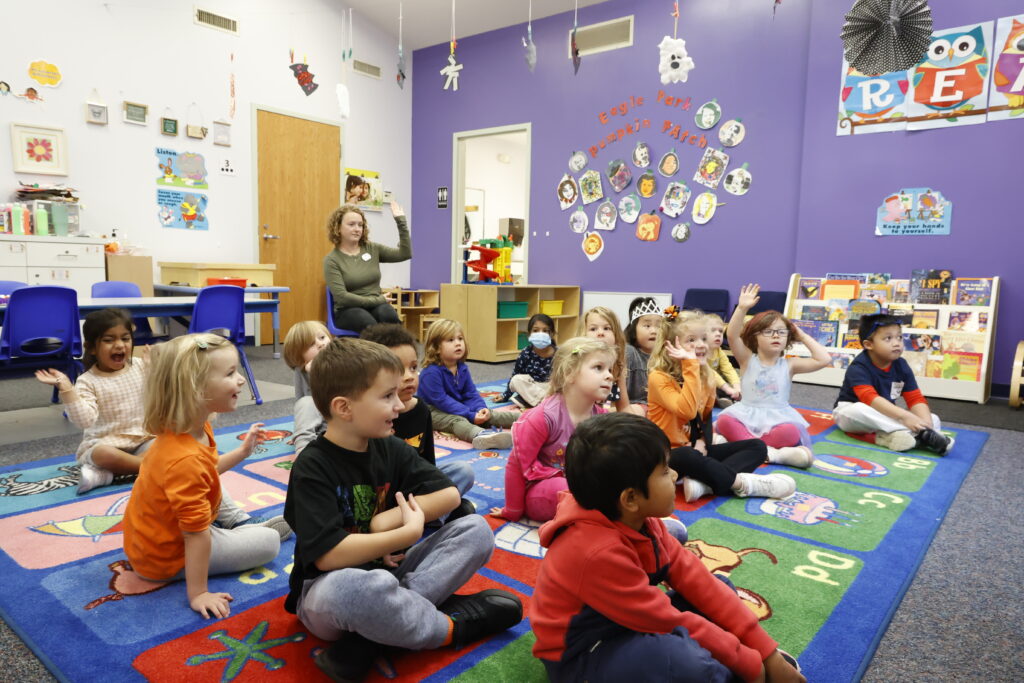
[
  {"x": 366, "y": 69},
  {"x": 218, "y": 21},
  {"x": 607, "y": 35}
]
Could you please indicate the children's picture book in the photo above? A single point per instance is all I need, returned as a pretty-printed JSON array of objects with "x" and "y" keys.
[
  {"x": 973, "y": 291},
  {"x": 840, "y": 360},
  {"x": 877, "y": 278},
  {"x": 856, "y": 277},
  {"x": 930, "y": 286},
  {"x": 968, "y": 321},
  {"x": 840, "y": 289},
  {"x": 810, "y": 288},
  {"x": 925, "y": 319},
  {"x": 922, "y": 342},
  {"x": 851, "y": 340},
  {"x": 904, "y": 312},
  {"x": 962, "y": 365},
  {"x": 838, "y": 309},
  {"x": 971, "y": 342},
  {"x": 825, "y": 332},
  {"x": 900, "y": 291},
  {"x": 862, "y": 307},
  {"x": 918, "y": 361},
  {"x": 814, "y": 312},
  {"x": 877, "y": 292},
  {"x": 933, "y": 367}
]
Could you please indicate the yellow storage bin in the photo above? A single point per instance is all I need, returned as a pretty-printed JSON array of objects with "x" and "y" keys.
[{"x": 551, "y": 306}]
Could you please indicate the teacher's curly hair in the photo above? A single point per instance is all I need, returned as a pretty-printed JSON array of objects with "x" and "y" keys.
[{"x": 334, "y": 224}]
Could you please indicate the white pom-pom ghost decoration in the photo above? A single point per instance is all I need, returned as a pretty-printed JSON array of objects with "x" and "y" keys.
[{"x": 675, "y": 63}]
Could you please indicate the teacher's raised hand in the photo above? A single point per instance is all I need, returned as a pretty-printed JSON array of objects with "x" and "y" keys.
[{"x": 396, "y": 209}]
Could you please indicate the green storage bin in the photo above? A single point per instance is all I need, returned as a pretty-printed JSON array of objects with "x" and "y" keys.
[
  {"x": 522, "y": 340},
  {"x": 513, "y": 309}
]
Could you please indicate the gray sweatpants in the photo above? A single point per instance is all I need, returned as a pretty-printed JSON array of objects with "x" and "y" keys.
[
  {"x": 466, "y": 430},
  {"x": 397, "y": 607},
  {"x": 860, "y": 418},
  {"x": 308, "y": 422}
]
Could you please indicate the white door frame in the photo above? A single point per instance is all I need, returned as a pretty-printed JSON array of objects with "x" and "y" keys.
[{"x": 458, "y": 185}]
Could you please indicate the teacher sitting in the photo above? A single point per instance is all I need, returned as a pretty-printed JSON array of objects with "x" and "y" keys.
[{"x": 352, "y": 268}]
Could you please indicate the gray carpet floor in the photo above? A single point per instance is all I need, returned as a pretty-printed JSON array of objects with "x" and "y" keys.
[{"x": 960, "y": 620}]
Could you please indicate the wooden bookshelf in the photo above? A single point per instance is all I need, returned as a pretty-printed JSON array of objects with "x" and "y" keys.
[
  {"x": 412, "y": 304},
  {"x": 963, "y": 390}
]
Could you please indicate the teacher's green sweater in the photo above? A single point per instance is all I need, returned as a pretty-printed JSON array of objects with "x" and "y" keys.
[{"x": 355, "y": 280}]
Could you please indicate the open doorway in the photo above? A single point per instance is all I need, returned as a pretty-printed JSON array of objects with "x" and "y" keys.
[{"x": 491, "y": 197}]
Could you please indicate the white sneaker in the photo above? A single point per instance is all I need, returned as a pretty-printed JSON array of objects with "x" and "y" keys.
[
  {"x": 718, "y": 439},
  {"x": 775, "y": 485},
  {"x": 90, "y": 476},
  {"x": 900, "y": 440},
  {"x": 794, "y": 456},
  {"x": 492, "y": 438},
  {"x": 693, "y": 489}
]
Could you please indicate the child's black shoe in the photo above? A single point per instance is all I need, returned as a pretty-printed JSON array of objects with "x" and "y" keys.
[
  {"x": 934, "y": 441},
  {"x": 481, "y": 614},
  {"x": 348, "y": 659}
]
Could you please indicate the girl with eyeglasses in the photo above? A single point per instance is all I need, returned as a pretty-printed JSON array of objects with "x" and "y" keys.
[{"x": 764, "y": 412}]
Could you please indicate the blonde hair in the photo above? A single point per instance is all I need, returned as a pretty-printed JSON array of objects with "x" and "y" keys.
[
  {"x": 334, "y": 224},
  {"x": 570, "y": 356},
  {"x": 660, "y": 361},
  {"x": 619, "y": 348},
  {"x": 439, "y": 331},
  {"x": 176, "y": 382},
  {"x": 300, "y": 337},
  {"x": 713, "y": 318}
]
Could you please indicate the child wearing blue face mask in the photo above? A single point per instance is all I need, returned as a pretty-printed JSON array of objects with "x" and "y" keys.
[{"x": 529, "y": 383}]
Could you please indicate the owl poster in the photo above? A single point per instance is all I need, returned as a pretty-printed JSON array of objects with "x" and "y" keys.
[
  {"x": 949, "y": 86},
  {"x": 1006, "y": 96},
  {"x": 872, "y": 104}
]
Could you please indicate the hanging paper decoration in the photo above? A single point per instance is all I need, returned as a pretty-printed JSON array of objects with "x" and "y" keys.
[
  {"x": 591, "y": 187},
  {"x": 674, "y": 201},
  {"x": 572, "y": 41},
  {"x": 681, "y": 232},
  {"x": 231, "y": 89},
  {"x": 606, "y": 216},
  {"x": 577, "y": 162},
  {"x": 400, "y": 76},
  {"x": 453, "y": 70},
  {"x": 712, "y": 167},
  {"x": 647, "y": 185},
  {"x": 669, "y": 163},
  {"x": 593, "y": 245},
  {"x": 775, "y": 7},
  {"x": 708, "y": 115},
  {"x": 704, "y": 207},
  {"x": 30, "y": 94},
  {"x": 531, "y": 49},
  {"x": 302, "y": 74},
  {"x": 45, "y": 73},
  {"x": 737, "y": 181},
  {"x": 5, "y": 89},
  {"x": 619, "y": 175},
  {"x": 578, "y": 220},
  {"x": 674, "y": 64},
  {"x": 568, "y": 191},
  {"x": 629, "y": 208},
  {"x": 346, "y": 52},
  {"x": 882, "y": 36},
  {"x": 732, "y": 133},
  {"x": 641, "y": 155},
  {"x": 648, "y": 227}
]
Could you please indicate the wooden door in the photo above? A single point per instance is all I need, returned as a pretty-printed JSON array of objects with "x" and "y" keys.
[{"x": 299, "y": 185}]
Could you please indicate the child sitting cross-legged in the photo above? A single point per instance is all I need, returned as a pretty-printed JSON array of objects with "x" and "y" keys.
[
  {"x": 529, "y": 382},
  {"x": 727, "y": 382},
  {"x": 304, "y": 340},
  {"x": 598, "y": 611},
  {"x": 876, "y": 378},
  {"x": 358, "y": 498}
]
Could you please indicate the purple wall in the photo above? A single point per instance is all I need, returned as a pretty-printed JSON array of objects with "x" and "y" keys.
[{"x": 812, "y": 202}]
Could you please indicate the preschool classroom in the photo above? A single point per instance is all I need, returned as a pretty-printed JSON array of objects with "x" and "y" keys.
[{"x": 510, "y": 158}]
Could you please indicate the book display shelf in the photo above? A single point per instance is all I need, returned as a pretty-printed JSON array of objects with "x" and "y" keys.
[{"x": 949, "y": 326}]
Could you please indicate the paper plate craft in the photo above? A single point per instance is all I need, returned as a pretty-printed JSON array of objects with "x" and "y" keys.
[
  {"x": 674, "y": 201},
  {"x": 681, "y": 232},
  {"x": 629, "y": 207},
  {"x": 732, "y": 133},
  {"x": 712, "y": 167},
  {"x": 737, "y": 181},
  {"x": 648, "y": 227},
  {"x": 704, "y": 207},
  {"x": 647, "y": 184},
  {"x": 669, "y": 163},
  {"x": 674, "y": 63},
  {"x": 708, "y": 115},
  {"x": 593, "y": 245},
  {"x": 641, "y": 155},
  {"x": 578, "y": 161},
  {"x": 578, "y": 220},
  {"x": 591, "y": 187},
  {"x": 568, "y": 191},
  {"x": 619, "y": 175},
  {"x": 606, "y": 216}
]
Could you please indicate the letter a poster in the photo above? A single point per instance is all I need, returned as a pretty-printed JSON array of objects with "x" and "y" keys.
[{"x": 949, "y": 86}]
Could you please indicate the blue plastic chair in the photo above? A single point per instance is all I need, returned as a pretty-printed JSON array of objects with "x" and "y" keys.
[
  {"x": 220, "y": 309},
  {"x": 769, "y": 301},
  {"x": 336, "y": 331},
  {"x": 8, "y": 286},
  {"x": 118, "y": 289},
  {"x": 708, "y": 300},
  {"x": 41, "y": 330}
]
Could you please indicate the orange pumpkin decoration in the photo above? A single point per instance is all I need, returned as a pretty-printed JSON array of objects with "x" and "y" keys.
[{"x": 648, "y": 227}]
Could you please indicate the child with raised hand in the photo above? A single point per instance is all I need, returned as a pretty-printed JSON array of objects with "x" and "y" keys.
[
  {"x": 448, "y": 389},
  {"x": 598, "y": 610},
  {"x": 602, "y": 323},
  {"x": 358, "y": 497},
  {"x": 875, "y": 380},
  {"x": 106, "y": 400},
  {"x": 529, "y": 382},
  {"x": 764, "y": 413},
  {"x": 727, "y": 382},
  {"x": 180, "y": 523},
  {"x": 645, "y": 319},
  {"x": 681, "y": 395}
]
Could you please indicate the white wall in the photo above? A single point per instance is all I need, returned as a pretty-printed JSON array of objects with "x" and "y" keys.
[
  {"x": 149, "y": 51},
  {"x": 504, "y": 184}
]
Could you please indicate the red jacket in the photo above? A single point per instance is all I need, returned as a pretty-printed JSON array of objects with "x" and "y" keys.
[{"x": 600, "y": 577}]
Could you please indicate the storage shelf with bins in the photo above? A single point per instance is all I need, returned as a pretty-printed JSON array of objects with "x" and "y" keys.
[{"x": 493, "y": 339}]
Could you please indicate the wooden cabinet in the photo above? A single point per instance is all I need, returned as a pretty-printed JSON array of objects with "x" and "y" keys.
[
  {"x": 493, "y": 339},
  {"x": 412, "y": 304},
  {"x": 62, "y": 261},
  {"x": 195, "y": 274}
]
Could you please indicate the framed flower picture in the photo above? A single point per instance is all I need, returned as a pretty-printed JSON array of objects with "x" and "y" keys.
[{"x": 38, "y": 149}]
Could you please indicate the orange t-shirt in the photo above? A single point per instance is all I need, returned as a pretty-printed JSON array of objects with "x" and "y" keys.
[
  {"x": 178, "y": 490},
  {"x": 671, "y": 405}
]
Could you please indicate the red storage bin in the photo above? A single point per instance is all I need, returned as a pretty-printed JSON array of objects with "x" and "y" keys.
[{"x": 236, "y": 281}]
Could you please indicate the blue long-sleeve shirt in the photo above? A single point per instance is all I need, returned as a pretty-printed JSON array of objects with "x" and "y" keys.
[{"x": 455, "y": 394}]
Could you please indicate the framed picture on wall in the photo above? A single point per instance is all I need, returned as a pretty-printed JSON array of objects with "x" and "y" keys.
[
  {"x": 222, "y": 133},
  {"x": 169, "y": 126},
  {"x": 38, "y": 149},
  {"x": 96, "y": 113},
  {"x": 136, "y": 113}
]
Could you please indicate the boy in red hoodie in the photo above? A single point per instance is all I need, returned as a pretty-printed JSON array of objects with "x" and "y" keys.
[{"x": 597, "y": 611}]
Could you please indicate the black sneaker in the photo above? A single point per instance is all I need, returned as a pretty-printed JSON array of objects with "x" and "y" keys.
[
  {"x": 466, "y": 507},
  {"x": 481, "y": 614},
  {"x": 348, "y": 659},
  {"x": 519, "y": 401},
  {"x": 931, "y": 440}
]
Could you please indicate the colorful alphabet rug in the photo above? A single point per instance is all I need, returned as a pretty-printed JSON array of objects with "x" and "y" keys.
[{"x": 823, "y": 569}]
